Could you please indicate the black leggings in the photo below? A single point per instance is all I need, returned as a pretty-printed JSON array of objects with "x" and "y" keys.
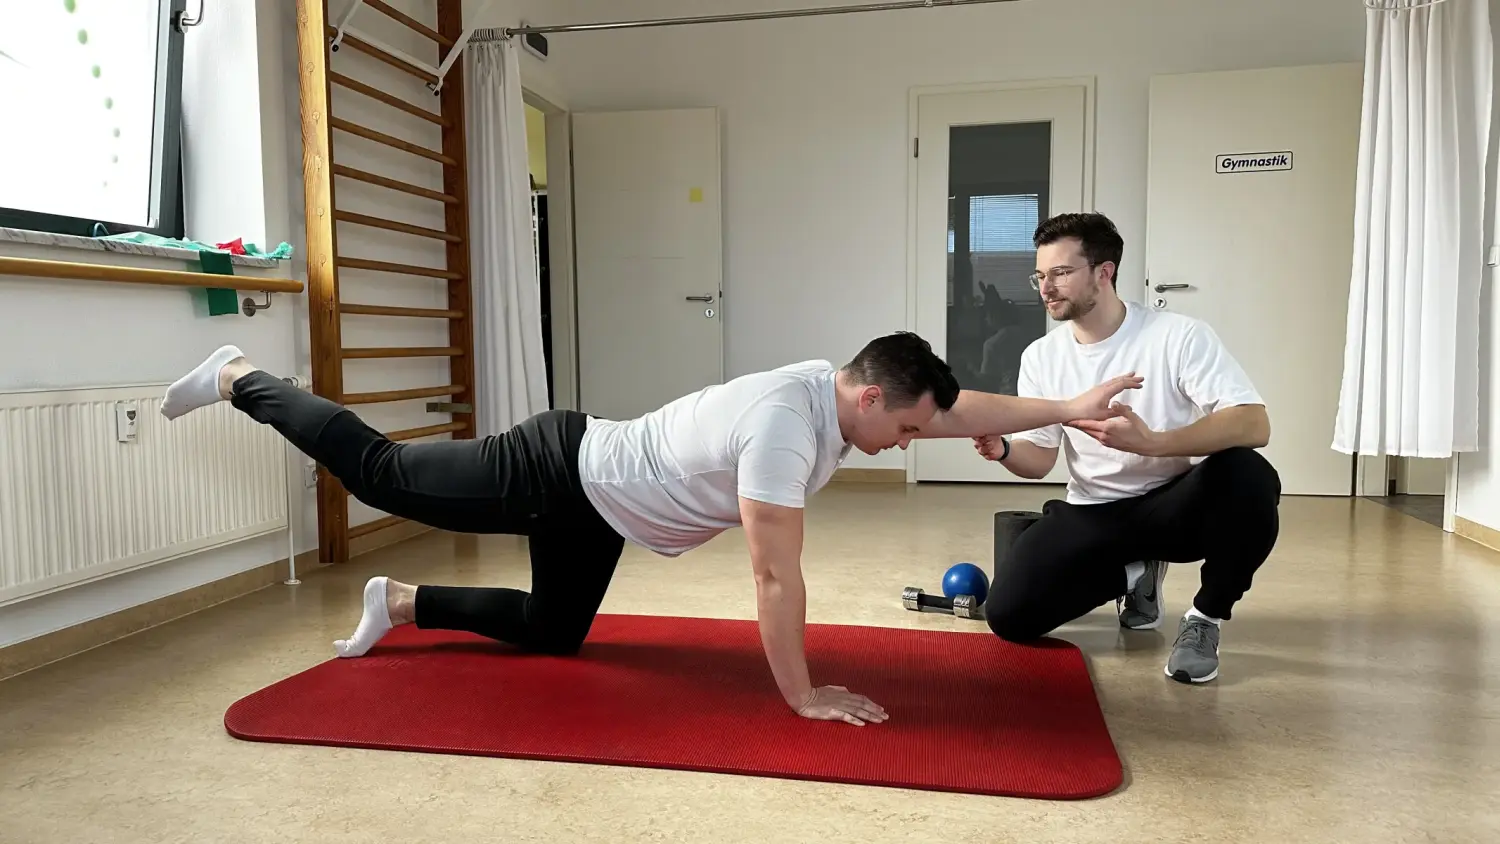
[
  {"x": 523, "y": 482},
  {"x": 1223, "y": 511}
]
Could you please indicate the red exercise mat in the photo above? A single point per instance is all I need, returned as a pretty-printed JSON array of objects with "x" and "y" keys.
[{"x": 969, "y": 712}]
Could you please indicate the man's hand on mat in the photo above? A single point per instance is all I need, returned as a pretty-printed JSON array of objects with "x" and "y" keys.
[
  {"x": 1099, "y": 403},
  {"x": 836, "y": 703}
]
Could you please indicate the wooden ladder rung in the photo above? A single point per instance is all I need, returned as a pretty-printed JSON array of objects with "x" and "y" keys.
[
  {"x": 387, "y": 310},
  {"x": 389, "y": 99},
  {"x": 404, "y": 269},
  {"x": 414, "y": 190},
  {"x": 410, "y": 21},
  {"x": 426, "y": 431},
  {"x": 356, "y": 531},
  {"x": 392, "y": 225},
  {"x": 389, "y": 140},
  {"x": 377, "y": 53},
  {"x": 367, "y": 352},
  {"x": 403, "y": 395}
]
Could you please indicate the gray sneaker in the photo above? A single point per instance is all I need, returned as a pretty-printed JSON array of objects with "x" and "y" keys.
[
  {"x": 1195, "y": 654},
  {"x": 1141, "y": 607}
]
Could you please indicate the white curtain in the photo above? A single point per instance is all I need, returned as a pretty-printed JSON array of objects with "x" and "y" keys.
[
  {"x": 1411, "y": 359},
  {"x": 509, "y": 370}
]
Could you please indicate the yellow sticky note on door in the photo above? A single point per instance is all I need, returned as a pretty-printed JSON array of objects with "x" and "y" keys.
[{"x": 695, "y": 194}]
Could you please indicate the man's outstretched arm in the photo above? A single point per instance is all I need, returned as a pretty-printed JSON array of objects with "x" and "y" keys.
[
  {"x": 775, "y": 538},
  {"x": 980, "y": 414}
]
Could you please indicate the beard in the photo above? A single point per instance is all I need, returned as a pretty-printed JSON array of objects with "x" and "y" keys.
[{"x": 1073, "y": 308}]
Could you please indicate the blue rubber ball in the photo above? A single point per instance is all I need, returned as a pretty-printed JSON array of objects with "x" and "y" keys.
[{"x": 966, "y": 579}]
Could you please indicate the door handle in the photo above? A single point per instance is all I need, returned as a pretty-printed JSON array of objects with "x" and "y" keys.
[
  {"x": 700, "y": 298},
  {"x": 1162, "y": 288}
]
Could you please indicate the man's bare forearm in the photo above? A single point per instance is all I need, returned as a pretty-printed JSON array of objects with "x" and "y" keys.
[
  {"x": 980, "y": 414},
  {"x": 775, "y": 538},
  {"x": 1246, "y": 426},
  {"x": 1029, "y": 460},
  {"x": 781, "y": 608}
]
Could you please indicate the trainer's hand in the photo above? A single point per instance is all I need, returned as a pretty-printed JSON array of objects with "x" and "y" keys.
[
  {"x": 1098, "y": 404},
  {"x": 990, "y": 448},
  {"x": 1126, "y": 432},
  {"x": 836, "y": 703}
]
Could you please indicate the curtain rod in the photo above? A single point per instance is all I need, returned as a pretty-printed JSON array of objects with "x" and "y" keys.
[{"x": 745, "y": 16}]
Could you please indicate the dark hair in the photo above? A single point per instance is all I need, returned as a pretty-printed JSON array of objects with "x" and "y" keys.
[
  {"x": 904, "y": 367},
  {"x": 1100, "y": 239}
]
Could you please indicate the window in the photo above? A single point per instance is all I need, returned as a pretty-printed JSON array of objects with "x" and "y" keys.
[
  {"x": 1001, "y": 253},
  {"x": 91, "y": 93},
  {"x": 1001, "y": 223}
]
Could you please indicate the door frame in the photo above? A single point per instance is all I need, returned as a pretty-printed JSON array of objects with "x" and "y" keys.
[
  {"x": 913, "y": 127},
  {"x": 560, "y": 246},
  {"x": 1371, "y": 476}
]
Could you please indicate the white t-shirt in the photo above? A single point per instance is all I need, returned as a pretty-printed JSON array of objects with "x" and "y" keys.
[
  {"x": 1188, "y": 374},
  {"x": 671, "y": 480}
]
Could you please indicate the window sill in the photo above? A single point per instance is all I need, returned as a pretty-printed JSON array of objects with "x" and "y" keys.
[{"x": 68, "y": 241}]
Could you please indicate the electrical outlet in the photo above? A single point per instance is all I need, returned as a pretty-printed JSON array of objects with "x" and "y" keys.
[{"x": 309, "y": 474}]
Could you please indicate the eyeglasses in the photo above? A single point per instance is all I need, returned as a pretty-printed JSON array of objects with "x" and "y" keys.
[{"x": 1057, "y": 274}]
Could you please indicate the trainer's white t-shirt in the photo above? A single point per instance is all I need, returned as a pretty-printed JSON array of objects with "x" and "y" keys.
[
  {"x": 1188, "y": 374},
  {"x": 671, "y": 480}
]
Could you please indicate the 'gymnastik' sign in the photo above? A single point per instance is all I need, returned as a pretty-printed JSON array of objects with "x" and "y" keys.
[{"x": 1254, "y": 162}]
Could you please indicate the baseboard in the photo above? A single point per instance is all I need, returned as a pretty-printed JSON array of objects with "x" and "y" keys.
[
  {"x": 870, "y": 476},
  {"x": 42, "y": 650},
  {"x": 388, "y": 536},
  {"x": 1476, "y": 532}
]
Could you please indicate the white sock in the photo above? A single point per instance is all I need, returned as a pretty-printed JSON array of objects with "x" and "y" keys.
[
  {"x": 373, "y": 625},
  {"x": 1133, "y": 574},
  {"x": 1193, "y": 613},
  {"x": 199, "y": 388}
]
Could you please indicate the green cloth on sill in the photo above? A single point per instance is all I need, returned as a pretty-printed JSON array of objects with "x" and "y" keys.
[
  {"x": 221, "y": 301},
  {"x": 281, "y": 252}
]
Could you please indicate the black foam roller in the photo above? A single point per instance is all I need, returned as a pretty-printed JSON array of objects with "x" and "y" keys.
[{"x": 1009, "y": 525}]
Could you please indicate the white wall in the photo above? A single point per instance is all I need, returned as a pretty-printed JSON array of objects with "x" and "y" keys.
[
  {"x": 1479, "y": 472},
  {"x": 244, "y": 179},
  {"x": 64, "y": 335},
  {"x": 237, "y": 184},
  {"x": 816, "y": 138}
]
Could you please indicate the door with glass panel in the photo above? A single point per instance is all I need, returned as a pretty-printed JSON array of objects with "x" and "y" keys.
[{"x": 990, "y": 166}]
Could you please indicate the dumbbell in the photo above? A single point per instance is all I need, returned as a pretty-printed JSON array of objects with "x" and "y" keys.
[{"x": 963, "y": 606}]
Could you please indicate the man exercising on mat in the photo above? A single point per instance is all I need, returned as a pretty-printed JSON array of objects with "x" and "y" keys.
[
  {"x": 746, "y": 452},
  {"x": 1174, "y": 478}
]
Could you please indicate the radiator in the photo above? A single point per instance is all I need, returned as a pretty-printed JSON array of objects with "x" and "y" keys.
[{"x": 78, "y": 504}]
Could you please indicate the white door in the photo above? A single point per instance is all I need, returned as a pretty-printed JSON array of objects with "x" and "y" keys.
[
  {"x": 647, "y": 222},
  {"x": 1250, "y": 227},
  {"x": 990, "y": 166}
]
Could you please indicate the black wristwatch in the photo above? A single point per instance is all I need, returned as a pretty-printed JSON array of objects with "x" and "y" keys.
[{"x": 1006, "y": 453}]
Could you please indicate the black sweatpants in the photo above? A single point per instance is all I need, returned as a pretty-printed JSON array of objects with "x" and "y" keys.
[
  {"x": 1223, "y": 511},
  {"x": 523, "y": 482}
]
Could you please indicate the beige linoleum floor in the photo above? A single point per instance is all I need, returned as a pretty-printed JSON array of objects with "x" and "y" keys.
[{"x": 1359, "y": 701}]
